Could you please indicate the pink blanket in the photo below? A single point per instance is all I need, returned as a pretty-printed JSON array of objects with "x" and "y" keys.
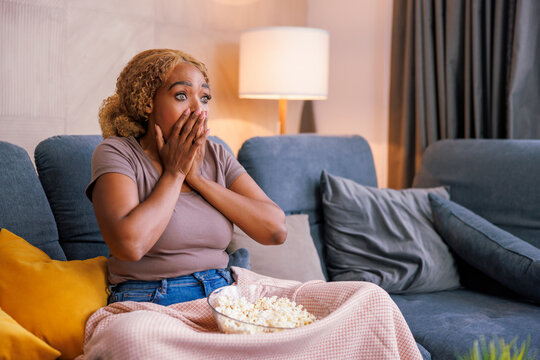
[{"x": 364, "y": 324}]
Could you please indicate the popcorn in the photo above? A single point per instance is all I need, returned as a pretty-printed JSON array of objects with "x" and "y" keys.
[{"x": 267, "y": 311}]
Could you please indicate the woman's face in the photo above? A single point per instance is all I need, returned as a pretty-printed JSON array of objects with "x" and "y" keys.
[{"x": 184, "y": 88}]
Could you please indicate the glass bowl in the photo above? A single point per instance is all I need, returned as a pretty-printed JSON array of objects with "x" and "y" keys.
[{"x": 252, "y": 293}]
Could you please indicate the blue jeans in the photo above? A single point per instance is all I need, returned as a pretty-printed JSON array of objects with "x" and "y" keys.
[{"x": 171, "y": 291}]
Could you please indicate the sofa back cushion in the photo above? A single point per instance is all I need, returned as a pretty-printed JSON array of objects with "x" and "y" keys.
[
  {"x": 288, "y": 169},
  {"x": 24, "y": 209},
  {"x": 496, "y": 179},
  {"x": 64, "y": 167}
]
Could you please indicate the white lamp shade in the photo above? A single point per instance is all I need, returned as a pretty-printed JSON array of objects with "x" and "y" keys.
[{"x": 283, "y": 62}]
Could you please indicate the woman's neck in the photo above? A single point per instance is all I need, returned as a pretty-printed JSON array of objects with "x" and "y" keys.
[{"x": 149, "y": 145}]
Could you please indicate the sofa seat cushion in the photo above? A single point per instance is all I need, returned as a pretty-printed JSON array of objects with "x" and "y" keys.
[
  {"x": 447, "y": 323},
  {"x": 23, "y": 205},
  {"x": 423, "y": 351}
]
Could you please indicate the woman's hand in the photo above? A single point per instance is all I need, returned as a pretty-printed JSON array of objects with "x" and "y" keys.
[
  {"x": 180, "y": 150},
  {"x": 194, "y": 173}
]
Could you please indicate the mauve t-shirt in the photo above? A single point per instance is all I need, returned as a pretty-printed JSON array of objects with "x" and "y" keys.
[{"x": 197, "y": 234}]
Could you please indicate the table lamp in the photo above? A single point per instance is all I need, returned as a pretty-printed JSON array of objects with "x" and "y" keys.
[{"x": 284, "y": 62}]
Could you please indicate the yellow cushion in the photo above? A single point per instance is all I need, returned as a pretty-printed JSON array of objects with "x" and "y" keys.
[
  {"x": 52, "y": 299},
  {"x": 18, "y": 343}
]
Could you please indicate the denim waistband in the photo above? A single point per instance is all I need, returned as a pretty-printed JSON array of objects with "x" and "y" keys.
[{"x": 198, "y": 276}]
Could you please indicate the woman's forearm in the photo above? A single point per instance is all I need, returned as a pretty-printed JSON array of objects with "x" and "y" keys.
[
  {"x": 148, "y": 220},
  {"x": 261, "y": 220},
  {"x": 131, "y": 234}
]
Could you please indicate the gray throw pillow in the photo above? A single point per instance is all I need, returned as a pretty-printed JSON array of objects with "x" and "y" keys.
[
  {"x": 384, "y": 236},
  {"x": 503, "y": 257},
  {"x": 296, "y": 259}
]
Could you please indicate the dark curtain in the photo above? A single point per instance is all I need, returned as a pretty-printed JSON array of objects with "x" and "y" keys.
[{"x": 461, "y": 69}]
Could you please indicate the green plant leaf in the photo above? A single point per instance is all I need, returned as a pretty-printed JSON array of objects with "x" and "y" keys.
[{"x": 497, "y": 349}]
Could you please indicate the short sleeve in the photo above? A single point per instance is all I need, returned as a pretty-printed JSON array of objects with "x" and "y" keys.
[
  {"x": 229, "y": 165},
  {"x": 233, "y": 169},
  {"x": 110, "y": 156}
]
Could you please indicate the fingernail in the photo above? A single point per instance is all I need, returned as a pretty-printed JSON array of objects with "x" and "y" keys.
[{"x": 186, "y": 111}]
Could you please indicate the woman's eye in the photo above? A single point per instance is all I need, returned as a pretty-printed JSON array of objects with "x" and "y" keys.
[
  {"x": 180, "y": 96},
  {"x": 206, "y": 98}
]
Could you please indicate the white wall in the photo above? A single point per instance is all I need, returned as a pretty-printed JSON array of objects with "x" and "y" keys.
[
  {"x": 360, "y": 36},
  {"x": 60, "y": 58}
]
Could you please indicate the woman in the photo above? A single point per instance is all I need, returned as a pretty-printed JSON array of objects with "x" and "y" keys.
[{"x": 164, "y": 196}]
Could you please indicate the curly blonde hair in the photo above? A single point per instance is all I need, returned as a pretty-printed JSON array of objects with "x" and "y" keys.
[{"x": 123, "y": 114}]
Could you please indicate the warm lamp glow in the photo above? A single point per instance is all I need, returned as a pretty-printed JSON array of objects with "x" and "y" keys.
[{"x": 284, "y": 63}]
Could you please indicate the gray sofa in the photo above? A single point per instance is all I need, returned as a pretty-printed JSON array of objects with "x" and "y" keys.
[{"x": 496, "y": 179}]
